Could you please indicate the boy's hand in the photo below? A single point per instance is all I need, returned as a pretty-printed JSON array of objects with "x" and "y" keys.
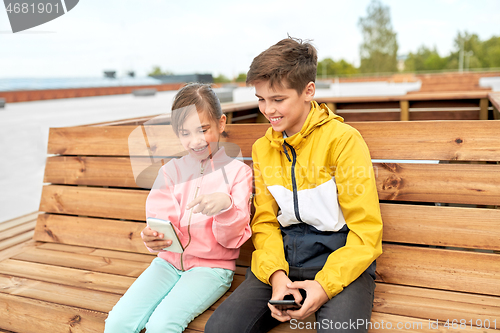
[
  {"x": 280, "y": 281},
  {"x": 154, "y": 240},
  {"x": 316, "y": 297},
  {"x": 210, "y": 204}
]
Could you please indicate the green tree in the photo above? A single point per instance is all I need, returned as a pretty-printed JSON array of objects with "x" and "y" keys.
[
  {"x": 221, "y": 79},
  {"x": 379, "y": 49},
  {"x": 425, "y": 59},
  {"x": 242, "y": 77},
  {"x": 491, "y": 52},
  {"x": 330, "y": 68},
  {"x": 472, "y": 51},
  {"x": 157, "y": 71}
]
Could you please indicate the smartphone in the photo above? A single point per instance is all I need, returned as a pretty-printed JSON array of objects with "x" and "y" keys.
[
  {"x": 285, "y": 304},
  {"x": 168, "y": 231}
]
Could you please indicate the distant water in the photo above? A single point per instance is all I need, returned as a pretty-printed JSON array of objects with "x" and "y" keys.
[{"x": 61, "y": 83}]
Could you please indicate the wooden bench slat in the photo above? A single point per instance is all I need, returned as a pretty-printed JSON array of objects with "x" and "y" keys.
[
  {"x": 16, "y": 249},
  {"x": 88, "y": 170},
  {"x": 434, "y": 304},
  {"x": 98, "y": 252},
  {"x": 93, "y": 201},
  {"x": 102, "y": 171},
  {"x": 438, "y": 140},
  {"x": 449, "y": 183},
  {"x": 415, "y": 325},
  {"x": 99, "y": 233},
  {"x": 32, "y": 316},
  {"x": 6, "y": 243},
  {"x": 465, "y": 271},
  {"x": 129, "y": 140},
  {"x": 84, "y": 261},
  {"x": 444, "y": 183},
  {"x": 442, "y": 226},
  {"x": 67, "y": 276},
  {"x": 18, "y": 221},
  {"x": 19, "y": 229},
  {"x": 57, "y": 293},
  {"x": 380, "y": 322}
]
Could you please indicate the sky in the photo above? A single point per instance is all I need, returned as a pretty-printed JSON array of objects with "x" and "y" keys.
[{"x": 219, "y": 36}]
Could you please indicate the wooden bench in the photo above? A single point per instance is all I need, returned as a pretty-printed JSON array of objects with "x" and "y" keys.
[
  {"x": 441, "y": 256},
  {"x": 15, "y": 233}
]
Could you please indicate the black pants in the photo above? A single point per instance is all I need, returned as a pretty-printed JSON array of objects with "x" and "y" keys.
[{"x": 246, "y": 310}]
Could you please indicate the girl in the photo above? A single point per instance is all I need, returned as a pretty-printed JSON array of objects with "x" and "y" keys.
[{"x": 205, "y": 195}]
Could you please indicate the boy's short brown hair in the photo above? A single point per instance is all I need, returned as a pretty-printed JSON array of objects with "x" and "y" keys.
[{"x": 289, "y": 61}]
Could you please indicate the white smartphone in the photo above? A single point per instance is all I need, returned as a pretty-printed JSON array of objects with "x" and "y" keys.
[{"x": 168, "y": 231}]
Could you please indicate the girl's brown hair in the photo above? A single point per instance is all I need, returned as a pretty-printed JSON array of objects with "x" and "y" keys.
[{"x": 194, "y": 96}]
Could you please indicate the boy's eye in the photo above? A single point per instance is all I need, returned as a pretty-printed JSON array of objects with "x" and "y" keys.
[
  {"x": 261, "y": 99},
  {"x": 278, "y": 100}
]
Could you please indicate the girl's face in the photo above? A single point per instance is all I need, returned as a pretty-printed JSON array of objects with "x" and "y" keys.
[{"x": 200, "y": 134}]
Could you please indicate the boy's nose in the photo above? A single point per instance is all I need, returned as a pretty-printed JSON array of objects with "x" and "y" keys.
[{"x": 268, "y": 110}]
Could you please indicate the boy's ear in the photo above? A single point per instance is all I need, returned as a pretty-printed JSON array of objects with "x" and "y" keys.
[{"x": 309, "y": 91}]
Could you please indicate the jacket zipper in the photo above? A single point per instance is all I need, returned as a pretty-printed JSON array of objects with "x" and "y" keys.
[
  {"x": 294, "y": 181},
  {"x": 190, "y": 215}
]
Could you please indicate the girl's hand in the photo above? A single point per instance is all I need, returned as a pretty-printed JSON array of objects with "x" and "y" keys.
[
  {"x": 316, "y": 297},
  {"x": 210, "y": 204},
  {"x": 280, "y": 282},
  {"x": 154, "y": 240}
]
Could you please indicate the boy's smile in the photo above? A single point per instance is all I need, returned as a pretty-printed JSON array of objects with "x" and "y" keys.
[{"x": 285, "y": 109}]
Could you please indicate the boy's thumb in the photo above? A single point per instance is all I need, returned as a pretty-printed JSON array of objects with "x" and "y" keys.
[{"x": 294, "y": 285}]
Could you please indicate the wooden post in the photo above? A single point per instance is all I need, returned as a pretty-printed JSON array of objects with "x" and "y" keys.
[
  {"x": 229, "y": 117},
  {"x": 496, "y": 116},
  {"x": 483, "y": 108},
  {"x": 405, "y": 110}
]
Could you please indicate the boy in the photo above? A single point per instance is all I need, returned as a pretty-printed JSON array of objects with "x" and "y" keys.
[{"x": 317, "y": 228}]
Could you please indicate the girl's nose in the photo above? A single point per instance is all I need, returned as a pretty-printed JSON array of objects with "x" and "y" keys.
[{"x": 199, "y": 139}]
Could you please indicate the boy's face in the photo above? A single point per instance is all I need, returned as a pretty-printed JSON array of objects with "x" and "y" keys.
[{"x": 285, "y": 109}]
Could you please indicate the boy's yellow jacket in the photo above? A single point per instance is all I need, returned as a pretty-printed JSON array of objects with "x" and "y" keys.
[{"x": 322, "y": 176}]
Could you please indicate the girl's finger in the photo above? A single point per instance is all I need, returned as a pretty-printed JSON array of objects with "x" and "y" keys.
[{"x": 194, "y": 203}]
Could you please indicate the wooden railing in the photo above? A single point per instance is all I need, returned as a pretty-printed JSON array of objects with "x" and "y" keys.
[{"x": 478, "y": 105}]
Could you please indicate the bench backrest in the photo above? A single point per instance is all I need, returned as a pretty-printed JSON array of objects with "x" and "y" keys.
[{"x": 441, "y": 228}]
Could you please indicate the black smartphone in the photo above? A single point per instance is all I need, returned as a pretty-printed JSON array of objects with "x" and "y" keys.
[{"x": 285, "y": 304}]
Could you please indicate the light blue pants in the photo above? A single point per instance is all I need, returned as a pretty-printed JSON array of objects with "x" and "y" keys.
[{"x": 164, "y": 299}]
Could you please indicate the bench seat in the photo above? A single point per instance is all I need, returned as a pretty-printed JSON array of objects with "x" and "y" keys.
[{"x": 441, "y": 229}]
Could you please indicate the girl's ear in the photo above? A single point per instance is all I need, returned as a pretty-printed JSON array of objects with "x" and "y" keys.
[{"x": 222, "y": 123}]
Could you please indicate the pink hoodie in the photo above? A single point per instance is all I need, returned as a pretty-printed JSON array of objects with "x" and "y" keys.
[{"x": 215, "y": 240}]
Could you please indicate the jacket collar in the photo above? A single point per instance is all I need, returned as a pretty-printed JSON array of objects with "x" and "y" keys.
[{"x": 318, "y": 115}]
